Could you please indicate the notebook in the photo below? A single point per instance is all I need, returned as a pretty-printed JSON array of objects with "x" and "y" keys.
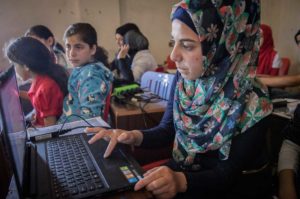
[{"x": 64, "y": 167}]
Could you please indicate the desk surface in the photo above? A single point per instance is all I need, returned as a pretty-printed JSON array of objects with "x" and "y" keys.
[
  {"x": 134, "y": 109},
  {"x": 130, "y": 117}
]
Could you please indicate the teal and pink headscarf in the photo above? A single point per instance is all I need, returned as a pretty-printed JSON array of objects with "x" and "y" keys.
[{"x": 226, "y": 100}]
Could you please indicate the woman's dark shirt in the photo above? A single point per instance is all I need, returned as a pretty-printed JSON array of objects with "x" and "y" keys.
[{"x": 247, "y": 152}]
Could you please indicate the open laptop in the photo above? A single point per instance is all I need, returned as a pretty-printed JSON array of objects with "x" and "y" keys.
[{"x": 64, "y": 167}]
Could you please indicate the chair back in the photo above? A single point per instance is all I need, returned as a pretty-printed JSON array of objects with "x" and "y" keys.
[
  {"x": 107, "y": 105},
  {"x": 158, "y": 83},
  {"x": 284, "y": 69}
]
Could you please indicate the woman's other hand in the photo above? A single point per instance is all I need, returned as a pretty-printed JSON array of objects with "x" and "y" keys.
[
  {"x": 163, "y": 182},
  {"x": 24, "y": 94},
  {"x": 123, "y": 51},
  {"x": 114, "y": 136},
  {"x": 287, "y": 189}
]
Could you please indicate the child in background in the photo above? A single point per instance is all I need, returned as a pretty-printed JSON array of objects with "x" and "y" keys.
[
  {"x": 49, "y": 81},
  {"x": 90, "y": 81},
  {"x": 44, "y": 35}
]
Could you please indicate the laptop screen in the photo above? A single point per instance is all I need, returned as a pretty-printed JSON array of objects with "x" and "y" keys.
[{"x": 13, "y": 120}]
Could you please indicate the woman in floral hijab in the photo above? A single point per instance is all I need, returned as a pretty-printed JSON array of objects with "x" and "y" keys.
[{"x": 217, "y": 115}]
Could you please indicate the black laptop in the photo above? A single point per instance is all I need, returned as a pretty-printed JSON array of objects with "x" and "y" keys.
[{"x": 63, "y": 167}]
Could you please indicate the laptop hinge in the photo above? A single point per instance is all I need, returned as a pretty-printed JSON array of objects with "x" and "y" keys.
[{"x": 30, "y": 170}]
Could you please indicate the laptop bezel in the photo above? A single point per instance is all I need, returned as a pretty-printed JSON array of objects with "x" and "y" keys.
[{"x": 5, "y": 77}]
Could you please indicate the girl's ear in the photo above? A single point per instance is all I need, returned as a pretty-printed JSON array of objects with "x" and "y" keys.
[
  {"x": 50, "y": 41},
  {"x": 94, "y": 49},
  {"x": 26, "y": 68}
]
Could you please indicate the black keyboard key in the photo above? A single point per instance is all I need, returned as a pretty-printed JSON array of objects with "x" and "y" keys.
[
  {"x": 74, "y": 191},
  {"x": 82, "y": 188}
]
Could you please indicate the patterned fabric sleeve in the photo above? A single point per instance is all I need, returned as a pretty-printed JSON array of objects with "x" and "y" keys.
[{"x": 93, "y": 88}]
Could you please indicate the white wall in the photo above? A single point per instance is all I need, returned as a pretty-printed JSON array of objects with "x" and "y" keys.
[
  {"x": 105, "y": 15},
  {"x": 16, "y": 16},
  {"x": 152, "y": 16}
]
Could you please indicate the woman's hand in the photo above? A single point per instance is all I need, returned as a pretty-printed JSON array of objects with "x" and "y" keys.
[
  {"x": 163, "y": 182},
  {"x": 114, "y": 136},
  {"x": 123, "y": 51},
  {"x": 24, "y": 94},
  {"x": 287, "y": 188}
]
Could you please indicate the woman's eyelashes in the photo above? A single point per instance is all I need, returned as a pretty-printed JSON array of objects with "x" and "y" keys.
[{"x": 189, "y": 46}]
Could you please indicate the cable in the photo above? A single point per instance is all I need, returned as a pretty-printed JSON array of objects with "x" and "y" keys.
[
  {"x": 61, "y": 131},
  {"x": 29, "y": 125}
]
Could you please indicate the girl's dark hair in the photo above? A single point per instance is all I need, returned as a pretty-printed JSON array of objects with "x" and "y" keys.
[
  {"x": 58, "y": 47},
  {"x": 102, "y": 56},
  {"x": 35, "y": 55},
  {"x": 41, "y": 32},
  {"x": 88, "y": 34},
  {"x": 122, "y": 30},
  {"x": 136, "y": 41},
  {"x": 298, "y": 33}
]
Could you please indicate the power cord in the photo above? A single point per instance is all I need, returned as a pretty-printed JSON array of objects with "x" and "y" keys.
[{"x": 64, "y": 131}]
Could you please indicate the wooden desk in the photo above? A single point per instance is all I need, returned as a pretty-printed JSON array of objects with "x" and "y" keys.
[{"x": 130, "y": 117}]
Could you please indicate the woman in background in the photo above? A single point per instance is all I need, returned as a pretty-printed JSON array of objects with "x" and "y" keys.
[
  {"x": 32, "y": 60},
  {"x": 121, "y": 74},
  {"x": 136, "y": 46},
  {"x": 90, "y": 81},
  {"x": 269, "y": 61}
]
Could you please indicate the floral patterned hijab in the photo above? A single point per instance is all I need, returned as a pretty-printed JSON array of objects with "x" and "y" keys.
[{"x": 226, "y": 100}]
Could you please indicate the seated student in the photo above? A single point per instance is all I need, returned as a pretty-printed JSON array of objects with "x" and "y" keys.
[
  {"x": 288, "y": 163},
  {"x": 114, "y": 66},
  {"x": 136, "y": 45},
  {"x": 90, "y": 81},
  {"x": 277, "y": 83},
  {"x": 49, "y": 81},
  {"x": 44, "y": 35},
  {"x": 269, "y": 61},
  {"x": 215, "y": 117}
]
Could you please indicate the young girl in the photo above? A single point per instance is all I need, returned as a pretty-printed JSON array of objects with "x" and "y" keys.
[
  {"x": 90, "y": 81},
  {"x": 49, "y": 81}
]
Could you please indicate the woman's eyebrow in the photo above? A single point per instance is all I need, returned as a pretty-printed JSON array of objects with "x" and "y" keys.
[{"x": 188, "y": 40}]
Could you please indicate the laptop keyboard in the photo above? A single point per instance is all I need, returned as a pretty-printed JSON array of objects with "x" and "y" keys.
[{"x": 72, "y": 170}]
